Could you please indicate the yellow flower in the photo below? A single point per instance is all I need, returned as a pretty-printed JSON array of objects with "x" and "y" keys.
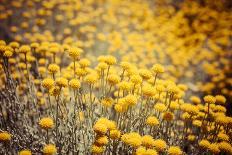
[
  {"x": 49, "y": 149},
  {"x": 204, "y": 143},
  {"x": 136, "y": 79},
  {"x": 174, "y": 150},
  {"x": 110, "y": 60},
  {"x": 209, "y": 99},
  {"x": 148, "y": 141},
  {"x": 84, "y": 63},
  {"x": 160, "y": 107},
  {"x": 131, "y": 100},
  {"x": 160, "y": 145},
  {"x": 8, "y": 54},
  {"x": 157, "y": 68},
  {"x": 152, "y": 121},
  {"x": 214, "y": 148},
  {"x": 74, "y": 84},
  {"x": 103, "y": 140},
  {"x": 115, "y": 134},
  {"x": 225, "y": 146},
  {"x": 75, "y": 52},
  {"x": 91, "y": 78},
  {"x": 97, "y": 149},
  {"x": 5, "y": 136},
  {"x": 168, "y": 116},
  {"x": 46, "y": 123},
  {"x": 113, "y": 79},
  {"x": 53, "y": 68},
  {"x": 100, "y": 128},
  {"x": 24, "y": 49},
  {"x": 62, "y": 82},
  {"x": 25, "y": 152},
  {"x": 220, "y": 99},
  {"x": 48, "y": 83},
  {"x": 107, "y": 102}
]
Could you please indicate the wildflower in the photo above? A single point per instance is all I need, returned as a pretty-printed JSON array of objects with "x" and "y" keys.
[
  {"x": 113, "y": 79},
  {"x": 141, "y": 151},
  {"x": 46, "y": 123},
  {"x": 209, "y": 99},
  {"x": 168, "y": 116},
  {"x": 125, "y": 65},
  {"x": 53, "y": 68},
  {"x": 74, "y": 84},
  {"x": 102, "y": 140},
  {"x": 160, "y": 107},
  {"x": 160, "y": 145},
  {"x": 115, "y": 134},
  {"x": 97, "y": 149},
  {"x": 225, "y": 147},
  {"x": 75, "y": 52},
  {"x": 152, "y": 121},
  {"x": 110, "y": 60},
  {"x": 7, "y": 54},
  {"x": 55, "y": 91},
  {"x": 148, "y": 141},
  {"x": 24, "y": 49},
  {"x": 126, "y": 86},
  {"x": 91, "y": 78},
  {"x": 136, "y": 79},
  {"x": 49, "y": 149},
  {"x": 214, "y": 148},
  {"x": 107, "y": 102},
  {"x": 204, "y": 143},
  {"x": 174, "y": 150},
  {"x": 130, "y": 100},
  {"x": 25, "y": 152},
  {"x": 100, "y": 128},
  {"x": 5, "y": 136},
  {"x": 84, "y": 63},
  {"x": 62, "y": 82},
  {"x": 220, "y": 99},
  {"x": 151, "y": 152},
  {"x": 195, "y": 99},
  {"x": 145, "y": 74},
  {"x": 157, "y": 68},
  {"x": 148, "y": 91}
]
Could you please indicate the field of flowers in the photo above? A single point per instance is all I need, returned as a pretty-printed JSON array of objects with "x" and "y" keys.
[{"x": 115, "y": 77}]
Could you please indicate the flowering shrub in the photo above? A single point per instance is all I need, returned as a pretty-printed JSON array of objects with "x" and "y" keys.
[{"x": 115, "y": 77}]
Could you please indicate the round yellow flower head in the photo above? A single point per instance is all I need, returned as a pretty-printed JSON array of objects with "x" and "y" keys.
[
  {"x": 152, "y": 121},
  {"x": 74, "y": 84},
  {"x": 160, "y": 107},
  {"x": 100, "y": 128},
  {"x": 168, "y": 116},
  {"x": 75, "y": 52},
  {"x": 5, "y": 136},
  {"x": 49, "y": 149},
  {"x": 48, "y": 83},
  {"x": 24, "y": 49},
  {"x": 53, "y": 68},
  {"x": 174, "y": 150},
  {"x": 25, "y": 152},
  {"x": 7, "y": 54},
  {"x": 102, "y": 140},
  {"x": 84, "y": 63},
  {"x": 46, "y": 123},
  {"x": 195, "y": 99},
  {"x": 148, "y": 141},
  {"x": 91, "y": 78},
  {"x": 97, "y": 149},
  {"x": 204, "y": 143},
  {"x": 115, "y": 134},
  {"x": 131, "y": 99},
  {"x": 220, "y": 99},
  {"x": 113, "y": 79},
  {"x": 107, "y": 102},
  {"x": 209, "y": 99},
  {"x": 145, "y": 74},
  {"x": 124, "y": 85},
  {"x": 136, "y": 79},
  {"x": 62, "y": 82},
  {"x": 225, "y": 147},
  {"x": 125, "y": 65},
  {"x": 160, "y": 145},
  {"x": 151, "y": 152},
  {"x": 141, "y": 150},
  {"x": 214, "y": 148},
  {"x": 110, "y": 60},
  {"x": 157, "y": 68}
]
